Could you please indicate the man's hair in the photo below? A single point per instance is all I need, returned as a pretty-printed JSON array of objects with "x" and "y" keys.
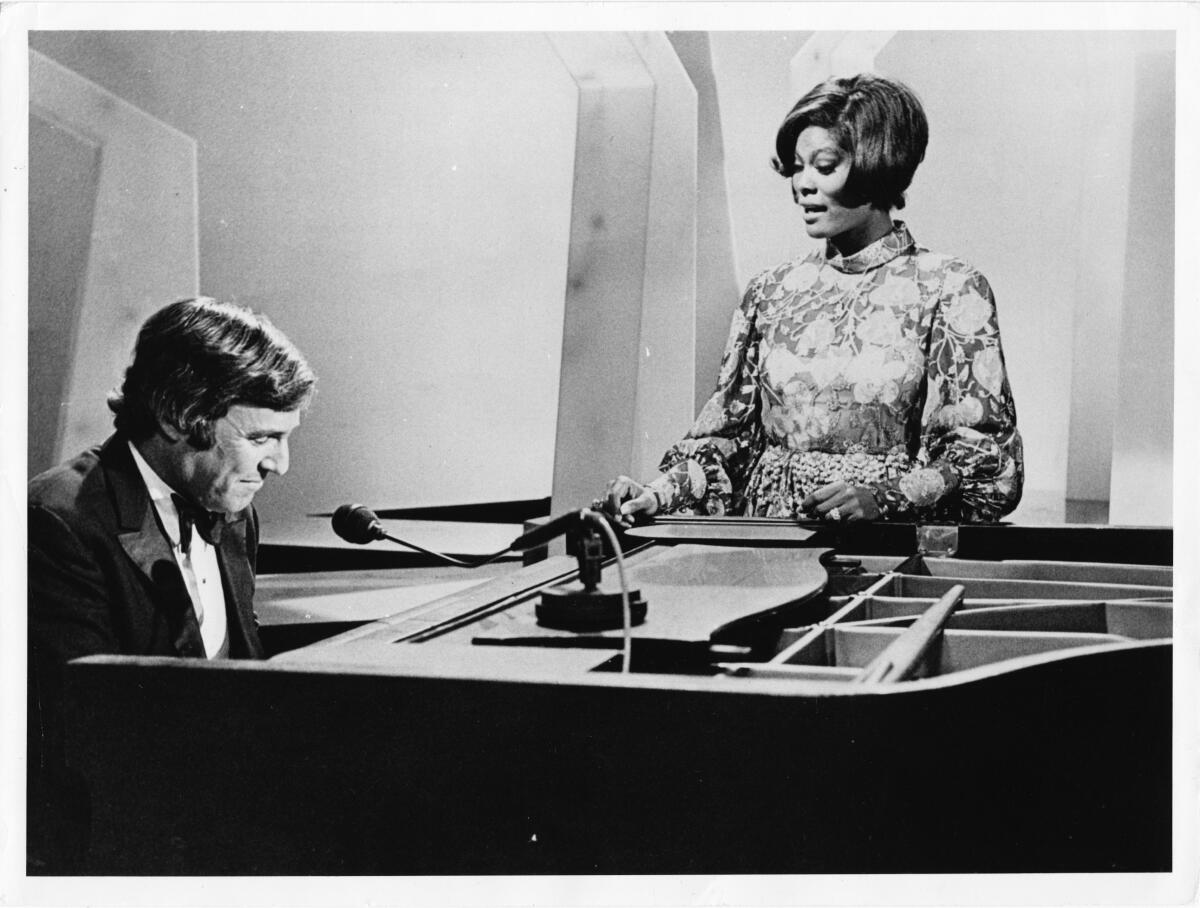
[
  {"x": 197, "y": 358},
  {"x": 878, "y": 121}
]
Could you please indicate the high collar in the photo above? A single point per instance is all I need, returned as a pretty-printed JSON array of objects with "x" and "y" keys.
[{"x": 892, "y": 244}]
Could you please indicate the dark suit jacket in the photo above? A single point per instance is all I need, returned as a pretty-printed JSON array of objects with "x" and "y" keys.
[{"x": 103, "y": 579}]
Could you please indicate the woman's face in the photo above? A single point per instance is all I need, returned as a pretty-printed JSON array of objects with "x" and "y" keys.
[{"x": 822, "y": 168}]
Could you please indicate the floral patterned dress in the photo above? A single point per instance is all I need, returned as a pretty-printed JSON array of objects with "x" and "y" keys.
[{"x": 882, "y": 368}]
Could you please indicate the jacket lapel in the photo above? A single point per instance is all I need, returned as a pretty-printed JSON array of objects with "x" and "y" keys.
[
  {"x": 147, "y": 546},
  {"x": 234, "y": 557}
]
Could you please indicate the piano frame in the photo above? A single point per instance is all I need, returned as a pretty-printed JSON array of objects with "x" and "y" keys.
[{"x": 402, "y": 747}]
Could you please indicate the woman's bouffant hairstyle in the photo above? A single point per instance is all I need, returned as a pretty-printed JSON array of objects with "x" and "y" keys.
[
  {"x": 197, "y": 358},
  {"x": 879, "y": 122}
]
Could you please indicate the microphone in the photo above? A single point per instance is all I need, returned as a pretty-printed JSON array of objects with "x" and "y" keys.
[{"x": 358, "y": 524}]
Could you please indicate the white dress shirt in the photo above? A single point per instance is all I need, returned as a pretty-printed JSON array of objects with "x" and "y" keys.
[{"x": 201, "y": 572}]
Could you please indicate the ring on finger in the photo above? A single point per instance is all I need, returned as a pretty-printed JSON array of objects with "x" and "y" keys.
[{"x": 835, "y": 513}]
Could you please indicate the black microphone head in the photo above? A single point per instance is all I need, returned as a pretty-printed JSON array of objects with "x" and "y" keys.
[{"x": 358, "y": 524}]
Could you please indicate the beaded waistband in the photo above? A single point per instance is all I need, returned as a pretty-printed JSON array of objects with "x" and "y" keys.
[
  {"x": 856, "y": 466},
  {"x": 782, "y": 477}
]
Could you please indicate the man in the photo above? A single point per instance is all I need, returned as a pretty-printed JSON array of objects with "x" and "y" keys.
[{"x": 146, "y": 544}]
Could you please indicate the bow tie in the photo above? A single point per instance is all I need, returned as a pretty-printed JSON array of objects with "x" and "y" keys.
[{"x": 206, "y": 523}]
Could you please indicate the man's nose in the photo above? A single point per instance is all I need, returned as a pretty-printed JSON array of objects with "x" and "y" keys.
[{"x": 277, "y": 460}]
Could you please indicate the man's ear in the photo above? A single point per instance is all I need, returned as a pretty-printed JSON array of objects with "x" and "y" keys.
[{"x": 169, "y": 432}]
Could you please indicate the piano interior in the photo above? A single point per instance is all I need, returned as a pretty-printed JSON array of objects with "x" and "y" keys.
[
  {"x": 804, "y": 613},
  {"x": 1010, "y": 610}
]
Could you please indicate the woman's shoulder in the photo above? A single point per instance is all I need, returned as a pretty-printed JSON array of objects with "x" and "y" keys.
[
  {"x": 778, "y": 271},
  {"x": 776, "y": 285},
  {"x": 790, "y": 274},
  {"x": 952, "y": 272},
  {"x": 928, "y": 260}
]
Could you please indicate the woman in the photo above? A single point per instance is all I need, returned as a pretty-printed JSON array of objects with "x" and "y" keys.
[{"x": 864, "y": 381}]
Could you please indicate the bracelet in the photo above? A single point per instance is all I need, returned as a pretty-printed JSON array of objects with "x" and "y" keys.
[
  {"x": 877, "y": 495},
  {"x": 660, "y": 499}
]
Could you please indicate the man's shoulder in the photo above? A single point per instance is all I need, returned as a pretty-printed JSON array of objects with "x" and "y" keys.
[{"x": 74, "y": 487}]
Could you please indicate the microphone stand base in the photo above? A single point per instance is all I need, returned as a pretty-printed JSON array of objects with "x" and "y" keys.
[{"x": 573, "y": 608}]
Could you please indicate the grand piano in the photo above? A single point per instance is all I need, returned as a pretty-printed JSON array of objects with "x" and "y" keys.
[{"x": 795, "y": 699}]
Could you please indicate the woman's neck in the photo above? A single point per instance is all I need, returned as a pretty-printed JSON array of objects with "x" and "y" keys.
[{"x": 877, "y": 226}]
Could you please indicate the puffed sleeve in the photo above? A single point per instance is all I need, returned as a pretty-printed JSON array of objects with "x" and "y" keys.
[
  {"x": 969, "y": 466},
  {"x": 706, "y": 472}
]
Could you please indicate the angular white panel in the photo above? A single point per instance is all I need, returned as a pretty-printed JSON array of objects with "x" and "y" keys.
[
  {"x": 605, "y": 275},
  {"x": 664, "y": 406},
  {"x": 143, "y": 249}
]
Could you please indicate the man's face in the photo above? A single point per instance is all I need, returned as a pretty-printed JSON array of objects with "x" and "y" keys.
[{"x": 250, "y": 443}]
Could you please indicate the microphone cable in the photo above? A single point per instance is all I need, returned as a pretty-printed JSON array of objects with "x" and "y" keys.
[
  {"x": 626, "y": 612},
  {"x": 359, "y": 524},
  {"x": 457, "y": 562}
]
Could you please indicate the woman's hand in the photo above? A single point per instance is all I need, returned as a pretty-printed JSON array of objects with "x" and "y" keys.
[
  {"x": 841, "y": 501},
  {"x": 627, "y": 498}
]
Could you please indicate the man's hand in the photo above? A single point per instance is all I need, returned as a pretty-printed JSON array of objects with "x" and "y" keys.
[{"x": 840, "y": 501}]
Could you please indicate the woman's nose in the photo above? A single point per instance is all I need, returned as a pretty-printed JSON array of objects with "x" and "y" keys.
[{"x": 802, "y": 184}]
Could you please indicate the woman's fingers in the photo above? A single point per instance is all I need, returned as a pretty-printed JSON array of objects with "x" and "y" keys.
[
  {"x": 628, "y": 497},
  {"x": 621, "y": 489},
  {"x": 825, "y": 499},
  {"x": 840, "y": 501},
  {"x": 645, "y": 503}
]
